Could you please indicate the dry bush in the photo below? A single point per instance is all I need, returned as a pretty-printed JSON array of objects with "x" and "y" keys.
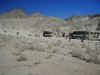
[
  {"x": 23, "y": 47},
  {"x": 48, "y": 57},
  {"x": 90, "y": 47},
  {"x": 16, "y": 53},
  {"x": 5, "y": 38},
  {"x": 23, "y": 41},
  {"x": 37, "y": 35},
  {"x": 17, "y": 44},
  {"x": 55, "y": 50},
  {"x": 46, "y": 41},
  {"x": 29, "y": 73},
  {"x": 50, "y": 46},
  {"x": 97, "y": 49},
  {"x": 93, "y": 54},
  {"x": 37, "y": 62},
  {"x": 58, "y": 34},
  {"x": 17, "y": 37},
  {"x": 31, "y": 47},
  {"x": 41, "y": 41},
  {"x": 93, "y": 57},
  {"x": 26, "y": 46},
  {"x": 41, "y": 48},
  {"x": 72, "y": 43},
  {"x": 57, "y": 43},
  {"x": 35, "y": 41},
  {"x": 76, "y": 52},
  {"x": 75, "y": 44},
  {"x": 22, "y": 58}
]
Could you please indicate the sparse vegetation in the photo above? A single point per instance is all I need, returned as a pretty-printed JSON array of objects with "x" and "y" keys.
[
  {"x": 16, "y": 53},
  {"x": 92, "y": 52},
  {"x": 29, "y": 73},
  {"x": 55, "y": 50},
  {"x": 21, "y": 44},
  {"x": 22, "y": 58},
  {"x": 48, "y": 57},
  {"x": 36, "y": 35}
]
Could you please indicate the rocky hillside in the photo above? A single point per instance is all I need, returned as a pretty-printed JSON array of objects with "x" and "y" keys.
[
  {"x": 19, "y": 20},
  {"x": 74, "y": 17},
  {"x": 88, "y": 23}
]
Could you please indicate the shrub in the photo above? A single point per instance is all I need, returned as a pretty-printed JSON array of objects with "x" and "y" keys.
[
  {"x": 23, "y": 47},
  {"x": 57, "y": 43},
  {"x": 16, "y": 53},
  {"x": 5, "y": 38},
  {"x": 17, "y": 44},
  {"x": 29, "y": 73},
  {"x": 36, "y": 35},
  {"x": 17, "y": 37},
  {"x": 49, "y": 46},
  {"x": 48, "y": 57},
  {"x": 37, "y": 62},
  {"x": 31, "y": 47},
  {"x": 76, "y": 52},
  {"x": 41, "y": 48},
  {"x": 94, "y": 54},
  {"x": 22, "y": 58},
  {"x": 55, "y": 50}
]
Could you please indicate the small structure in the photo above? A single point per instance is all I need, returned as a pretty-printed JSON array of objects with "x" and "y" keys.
[
  {"x": 79, "y": 34},
  {"x": 47, "y": 34}
]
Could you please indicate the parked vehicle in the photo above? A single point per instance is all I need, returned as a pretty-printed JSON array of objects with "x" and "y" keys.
[
  {"x": 94, "y": 39},
  {"x": 47, "y": 34},
  {"x": 79, "y": 35}
]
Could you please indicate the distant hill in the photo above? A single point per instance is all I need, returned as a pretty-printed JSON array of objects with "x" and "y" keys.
[{"x": 37, "y": 14}]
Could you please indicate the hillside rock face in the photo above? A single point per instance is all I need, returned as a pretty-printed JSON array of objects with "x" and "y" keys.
[
  {"x": 77, "y": 18},
  {"x": 18, "y": 13}
]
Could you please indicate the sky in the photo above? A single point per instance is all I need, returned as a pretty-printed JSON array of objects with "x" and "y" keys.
[{"x": 55, "y": 8}]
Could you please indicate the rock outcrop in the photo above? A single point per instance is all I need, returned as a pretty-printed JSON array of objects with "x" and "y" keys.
[{"x": 37, "y": 14}]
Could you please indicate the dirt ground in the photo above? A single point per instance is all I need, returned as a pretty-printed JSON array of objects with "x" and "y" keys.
[{"x": 44, "y": 62}]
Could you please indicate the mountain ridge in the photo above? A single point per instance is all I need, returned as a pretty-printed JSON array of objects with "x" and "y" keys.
[{"x": 20, "y": 13}]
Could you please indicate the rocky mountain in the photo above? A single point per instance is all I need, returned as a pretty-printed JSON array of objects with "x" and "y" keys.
[
  {"x": 37, "y": 14},
  {"x": 17, "y": 13}
]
